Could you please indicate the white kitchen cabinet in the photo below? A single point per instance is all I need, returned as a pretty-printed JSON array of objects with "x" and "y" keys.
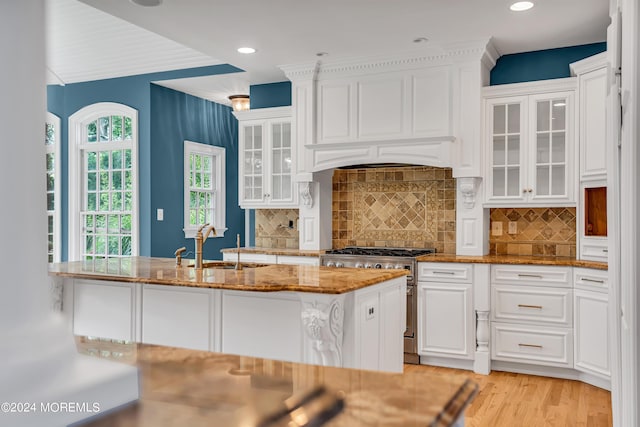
[
  {"x": 266, "y": 158},
  {"x": 191, "y": 323},
  {"x": 105, "y": 309},
  {"x": 532, "y": 315},
  {"x": 592, "y": 116},
  {"x": 530, "y": 144},
  {"x": 591, "y": 320},
  {"x": 446, "y": 318},
  {"x": 592, "y": 124}
]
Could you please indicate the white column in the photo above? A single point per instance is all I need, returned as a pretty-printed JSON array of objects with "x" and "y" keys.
[
  {"x": 482, "y": 308},
  {"x": 39, "y": 359}
]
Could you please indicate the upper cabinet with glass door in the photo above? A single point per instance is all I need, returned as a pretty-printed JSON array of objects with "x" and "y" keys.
[
  {"x": 530, "y": 144},
  {"x": 266, "y": 158}
]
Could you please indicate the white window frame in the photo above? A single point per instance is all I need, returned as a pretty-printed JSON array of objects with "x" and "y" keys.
[
  {"x": 54, "y": 120},
  {"x": 77, "y": 126},
  {"x": 219, "y": 160}
]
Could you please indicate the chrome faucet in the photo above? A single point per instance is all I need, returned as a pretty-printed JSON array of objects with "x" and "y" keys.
[{"x": 200, "y": 238}]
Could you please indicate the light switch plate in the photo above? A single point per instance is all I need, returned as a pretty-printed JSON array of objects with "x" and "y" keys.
[
  {"x": 160, "y": 214},
  {"x": 513, "y": 227},
  {"x": 496, "y": 228}
]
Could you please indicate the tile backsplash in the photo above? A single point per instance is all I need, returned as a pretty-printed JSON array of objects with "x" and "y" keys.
[
  {"x": 400, "y": 206},
  {"x": 272, "y": 228},
  {"x": 539, "y": 231}
]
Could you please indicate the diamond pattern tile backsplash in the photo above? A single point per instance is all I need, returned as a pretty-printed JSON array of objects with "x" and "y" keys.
[
  {"x": 272, "y": 228},
  {"x": 539, "y": 231},
  {"x": 410, "y": 206}
]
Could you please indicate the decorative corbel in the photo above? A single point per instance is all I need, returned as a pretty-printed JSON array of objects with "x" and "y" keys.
[
  {"x": 305, "y": 194},
  {"x": 468, "y": 186}
]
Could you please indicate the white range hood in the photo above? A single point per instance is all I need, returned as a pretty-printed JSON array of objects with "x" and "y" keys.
[{"x": 421, "y": 107}]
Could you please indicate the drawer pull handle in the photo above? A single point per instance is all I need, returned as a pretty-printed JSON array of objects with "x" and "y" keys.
[
  {"x": 605, "y": 250},
  {"x": 586, "y": 279},
  {"x": 451, "y": 273},
  {"x": 530, "y": 345},
  {"x": 536, "y": 276},
  {"x": 539, "y": 307}
]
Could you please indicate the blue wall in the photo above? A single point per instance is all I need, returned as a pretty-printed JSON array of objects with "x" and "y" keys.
[
  {"x": 177, "y": 117},
  {"x": 270, "y": 95},
  {"x": 541, "y": 64},
  {"x": 134, "y": 91}
]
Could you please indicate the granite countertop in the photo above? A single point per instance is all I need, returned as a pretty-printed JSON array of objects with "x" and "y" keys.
[
  {"x": 274, "y": 251},
  {"x": 268, "y": 278},
  {"x": 514, "y": 259},
  {"x": 180, "y": 387}
]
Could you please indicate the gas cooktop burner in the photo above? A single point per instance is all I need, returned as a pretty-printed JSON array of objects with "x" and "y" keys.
[{"x": 372, "y": 251}]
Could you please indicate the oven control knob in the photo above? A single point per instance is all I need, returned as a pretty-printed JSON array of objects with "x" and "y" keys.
[
  {"x": 330, "y": 264},
  {"x": 367, "y": 265},
  {"x": 339, "y": 264},
  {"x": 359, "y": 265},
  {"x": 399, "y": 267},
  {"x": 378, "y": 265},
  {"x": 388, "y": 266}
]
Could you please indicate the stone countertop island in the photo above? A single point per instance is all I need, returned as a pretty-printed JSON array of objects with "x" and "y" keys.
[
  {"x": 345, "y": 317},
  {"x": 268, "y": 278},
  {"x": 186, "y": 387}
]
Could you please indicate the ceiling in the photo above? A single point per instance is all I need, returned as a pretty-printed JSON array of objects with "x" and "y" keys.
[{"x": 121, "y": 38}]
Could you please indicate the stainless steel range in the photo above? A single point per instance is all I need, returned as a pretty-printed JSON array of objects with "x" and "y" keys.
[{"x": 396, "y": 258}]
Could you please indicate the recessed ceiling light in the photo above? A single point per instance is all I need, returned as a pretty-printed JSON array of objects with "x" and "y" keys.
[
  {"x": 246, "y": 50},
  {"x": 147, "y": 3},
  {"x": 420, "y": 40},
  {"x": 521, "y": 6}
]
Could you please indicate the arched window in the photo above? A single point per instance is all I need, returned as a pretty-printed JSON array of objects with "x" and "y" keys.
[
  {"x": 52, "y": 145},
  {"x": 103, "y": 182}
]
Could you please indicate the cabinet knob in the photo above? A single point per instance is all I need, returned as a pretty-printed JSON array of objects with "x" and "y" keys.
[{"x": 530, "y": 190}]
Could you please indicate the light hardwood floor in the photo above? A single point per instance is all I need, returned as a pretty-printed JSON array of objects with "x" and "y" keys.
[{"x": 513, "y": 400}]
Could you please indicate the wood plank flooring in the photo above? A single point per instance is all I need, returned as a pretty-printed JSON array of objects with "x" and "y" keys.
[{"x": 513, "y": 400}]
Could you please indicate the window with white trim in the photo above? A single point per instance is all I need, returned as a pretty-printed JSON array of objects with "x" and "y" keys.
[
  {"x": 52, "y": 147},
  {"x": 204, "y": 187},
  {"x": 103, "y": 182}
]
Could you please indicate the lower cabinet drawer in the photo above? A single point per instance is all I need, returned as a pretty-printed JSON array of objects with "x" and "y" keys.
[
  {"x": 537, "y": 345},
  {"x": 532, "y": 304}
]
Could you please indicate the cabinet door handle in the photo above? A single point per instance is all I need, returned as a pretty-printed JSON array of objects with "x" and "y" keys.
[
  {"x": 586, "y": 279},
  {"x": 530, "y": 345},
  {"x": 450, "y": 273},
  {"x": 538, "y": 307},
  {"x": 605, "y": 250},
  {"x": 536, "y": 276}
]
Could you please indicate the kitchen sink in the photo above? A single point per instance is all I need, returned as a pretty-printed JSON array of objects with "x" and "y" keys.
[{"x": 228, "y": 265}]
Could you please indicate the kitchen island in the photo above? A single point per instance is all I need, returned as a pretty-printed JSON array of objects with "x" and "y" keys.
[
  {"x": 181, "y": 387},
  {"x": 333, "y": 317}
]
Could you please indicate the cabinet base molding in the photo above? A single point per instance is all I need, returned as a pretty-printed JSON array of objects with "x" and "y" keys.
[
  {"x": 551, "y": 371},
  {"x": 446, "y": 362},
  {"x": 482, "y": 363}
]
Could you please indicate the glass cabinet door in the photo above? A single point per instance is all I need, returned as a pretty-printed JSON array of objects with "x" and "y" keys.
[
  {"x": 281, "y": 159},
  {"x": 506, "y": 137},
  {"x": 253, "y": 186},
  {"x": 550, "y": 144}
]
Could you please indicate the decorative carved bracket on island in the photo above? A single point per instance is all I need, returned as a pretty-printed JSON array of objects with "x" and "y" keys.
[
  {"x": 323, "y": 321},
  {"x": 56, "y": 293}
]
